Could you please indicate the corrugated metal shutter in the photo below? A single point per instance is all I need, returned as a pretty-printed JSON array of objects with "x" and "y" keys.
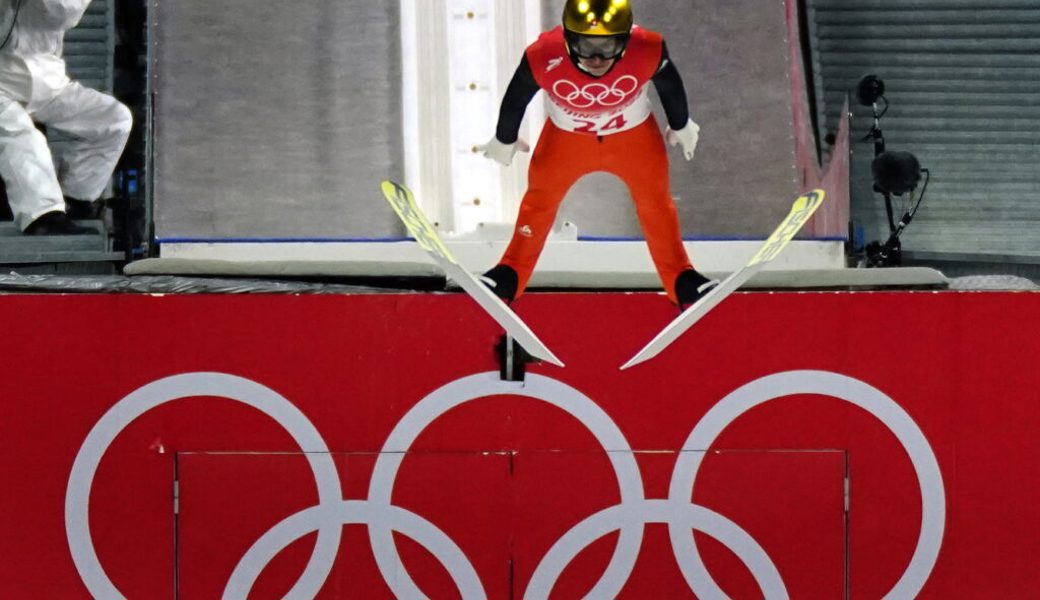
[
  {"x": 963, "y": 81},
  {"x": 90, "y": 46}
]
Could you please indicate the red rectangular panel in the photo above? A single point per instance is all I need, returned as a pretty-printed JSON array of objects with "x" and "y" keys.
[{"x": 931, "y": 396}]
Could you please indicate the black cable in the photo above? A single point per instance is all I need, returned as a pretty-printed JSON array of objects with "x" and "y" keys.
[
  {"x": 910, "y": 211},
  {"x": 14, "y": 20},
  {"x": 913, "y": 211},
  {"x": 875, "y": 129},
  {"x": 884, "y": 110}
]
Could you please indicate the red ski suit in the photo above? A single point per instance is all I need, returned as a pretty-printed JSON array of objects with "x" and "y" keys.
[{"x": 598, "y": 124}]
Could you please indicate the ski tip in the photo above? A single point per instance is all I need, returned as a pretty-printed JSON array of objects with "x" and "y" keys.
[
  {"x": 635, "y": 360},
  {"x": 550, "y": 358}
]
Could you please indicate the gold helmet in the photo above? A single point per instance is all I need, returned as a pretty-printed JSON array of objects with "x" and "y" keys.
[{"x": 597, "y": 17}]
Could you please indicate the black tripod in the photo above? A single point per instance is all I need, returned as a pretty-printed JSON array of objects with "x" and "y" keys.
[{"x": 895, "y": 174}]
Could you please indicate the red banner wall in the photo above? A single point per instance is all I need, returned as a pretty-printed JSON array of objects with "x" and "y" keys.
[{"x": 791, "y": 445}]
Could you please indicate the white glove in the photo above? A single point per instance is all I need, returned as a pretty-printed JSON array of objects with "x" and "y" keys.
[
  {"x": 687, "y": 136},
  {"x": 503, "y": 153}
]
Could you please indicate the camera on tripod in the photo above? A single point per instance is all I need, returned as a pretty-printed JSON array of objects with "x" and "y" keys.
[{"x": 896, "y": 174}]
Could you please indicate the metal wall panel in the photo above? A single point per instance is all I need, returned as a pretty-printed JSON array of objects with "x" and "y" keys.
[
  {"x": 90, "y": 45},
  {"x": 275, "y": 120},
  {"x": 962, "y": 78}
]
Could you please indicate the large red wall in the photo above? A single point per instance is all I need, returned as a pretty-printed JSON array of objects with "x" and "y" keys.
[{"x": 923, "y": 406}]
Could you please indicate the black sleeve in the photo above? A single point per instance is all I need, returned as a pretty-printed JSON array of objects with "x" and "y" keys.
[
  {"x": 670, "y": 89},
  {"x": 514, "y": 104}
]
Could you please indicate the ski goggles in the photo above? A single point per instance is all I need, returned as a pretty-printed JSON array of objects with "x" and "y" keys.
[{"x": 606, "y": 47}]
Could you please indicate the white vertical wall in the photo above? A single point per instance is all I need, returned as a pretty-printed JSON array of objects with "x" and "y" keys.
[
  {"x": 458, "y": 57},
  {"x": 520, "y": 23}
]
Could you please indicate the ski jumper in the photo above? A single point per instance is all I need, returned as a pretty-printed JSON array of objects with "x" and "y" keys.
[{"x": 597, "y": 124}]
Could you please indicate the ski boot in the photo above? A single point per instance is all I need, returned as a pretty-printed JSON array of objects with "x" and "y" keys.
[
  {"x": 690, "y": 286},
  {"x": 503, "y": 281}
]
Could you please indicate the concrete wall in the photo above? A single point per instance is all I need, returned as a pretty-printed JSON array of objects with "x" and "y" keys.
[{"x": 271, "y": 116}]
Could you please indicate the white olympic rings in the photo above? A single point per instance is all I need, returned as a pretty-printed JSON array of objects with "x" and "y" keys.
[
  {"x": 592, "y": 94},
  {"x": 628, "y": 517}
]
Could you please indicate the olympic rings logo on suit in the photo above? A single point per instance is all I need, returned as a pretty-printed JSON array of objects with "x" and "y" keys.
[
  {"x": 629, "y": 517},
  {"x": 594, "y": 94}
]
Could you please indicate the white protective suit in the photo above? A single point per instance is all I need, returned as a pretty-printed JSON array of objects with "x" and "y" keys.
[{"x": 34, "y": 86}]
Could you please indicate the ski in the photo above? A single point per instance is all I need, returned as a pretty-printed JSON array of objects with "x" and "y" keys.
[
  {"x": 803, "y": 208},
  {"x": 403, "y": 202}
]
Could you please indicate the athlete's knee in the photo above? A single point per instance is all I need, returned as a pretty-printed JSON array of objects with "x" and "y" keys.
[
  {"x": 541, "y": 200},
  {"x": 659, "y": 203}
]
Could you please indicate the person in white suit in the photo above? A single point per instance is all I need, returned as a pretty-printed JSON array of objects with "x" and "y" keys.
[{"x": 43, "y": 185}]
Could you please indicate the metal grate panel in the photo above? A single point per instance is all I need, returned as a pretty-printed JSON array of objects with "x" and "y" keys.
[
  {"x": 962, "y": 81},
  {"x": 90, "y": 47}
]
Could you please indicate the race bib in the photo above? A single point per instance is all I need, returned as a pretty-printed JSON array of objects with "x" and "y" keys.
[{"x": 627, "y": 106}]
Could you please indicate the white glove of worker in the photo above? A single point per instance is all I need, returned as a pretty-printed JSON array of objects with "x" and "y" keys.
[
  {"x": 503, "y": 153},
  {"x": 687, "y": 136}
]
